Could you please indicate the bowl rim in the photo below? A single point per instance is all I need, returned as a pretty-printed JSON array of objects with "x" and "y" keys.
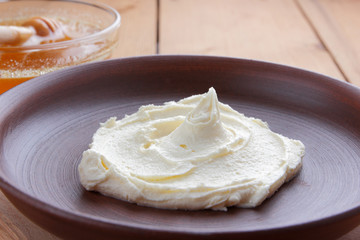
[{"x": 48, "y": 46}]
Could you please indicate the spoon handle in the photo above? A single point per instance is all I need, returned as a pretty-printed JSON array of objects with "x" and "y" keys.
[{"x": 15, "y": 34}]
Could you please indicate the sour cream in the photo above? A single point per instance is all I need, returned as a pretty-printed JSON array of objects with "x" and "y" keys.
[{"x": 193, "y": 154}]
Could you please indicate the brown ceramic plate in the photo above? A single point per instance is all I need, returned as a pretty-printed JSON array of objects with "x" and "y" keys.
[{"x": 48, "y": 122}]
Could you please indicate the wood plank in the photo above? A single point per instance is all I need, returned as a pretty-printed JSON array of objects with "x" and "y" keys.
[
  {"x": 14, "y": 225},
  {"x": 137, "y": 37},
  {"x": 338, "y": 26},
  {"x": 353, "y": 235},
  {"x": 269, "y": 30},
  {"x": 138, "y": 27}
]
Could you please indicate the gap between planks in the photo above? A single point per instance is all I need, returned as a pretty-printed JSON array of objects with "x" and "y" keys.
[
  {"x": 266, "y": 30},
  {"x": 316, "y": 32},
  {"x": 337, "y": 24}
]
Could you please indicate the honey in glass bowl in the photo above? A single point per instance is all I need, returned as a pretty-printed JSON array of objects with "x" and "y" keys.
[{"x": 89, "y": 32}]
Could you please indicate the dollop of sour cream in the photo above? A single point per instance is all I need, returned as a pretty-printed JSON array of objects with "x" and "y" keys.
[{"x": 193, "y": 154}]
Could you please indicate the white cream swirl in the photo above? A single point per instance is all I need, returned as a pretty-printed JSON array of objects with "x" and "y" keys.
[{"x": 193, "y": 154}]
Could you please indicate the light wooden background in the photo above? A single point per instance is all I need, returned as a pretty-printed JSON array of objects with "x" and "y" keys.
[{"x": 317, "y": 35}]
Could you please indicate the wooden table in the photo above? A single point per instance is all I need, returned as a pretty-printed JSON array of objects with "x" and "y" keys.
[{"x": 317, "y": 35}]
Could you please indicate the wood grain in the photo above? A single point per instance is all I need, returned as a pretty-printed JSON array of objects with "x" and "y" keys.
[
  {"x": 138, "y": 28},
  {"x": 13, "y": 225},
  {"x": 353, "y": 235},
  {"x": 337, "y": 24},
  {"x": 270, "y": 30}
]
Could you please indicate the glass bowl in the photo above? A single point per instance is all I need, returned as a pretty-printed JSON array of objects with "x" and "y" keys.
[{"x": 94, "y": 28}]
